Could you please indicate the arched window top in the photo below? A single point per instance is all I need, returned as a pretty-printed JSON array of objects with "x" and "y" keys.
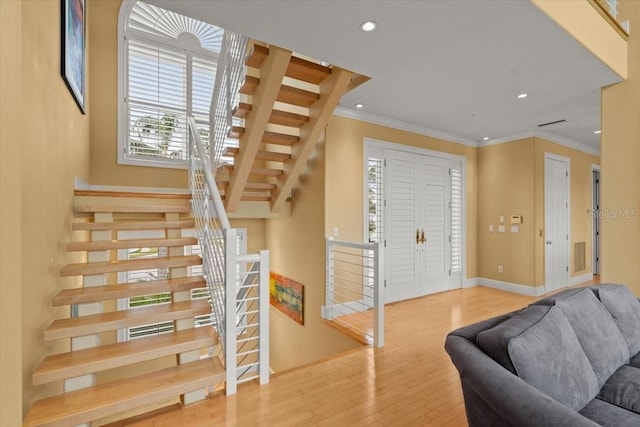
[{"x": 183, "y": 30}]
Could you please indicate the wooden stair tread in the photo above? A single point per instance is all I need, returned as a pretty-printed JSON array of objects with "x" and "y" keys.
[
  {"x": 222, "y": 185},
  {"x": 268, "y": 137},
  {"x": 126, "y": 290},
  {"x": 84, "y": 405},
  {"x": 128, "y": 265},
  {"x": 90, "y": 360},
  {"x": 298, "y": 68},
  {"x": 286, "y": 94},
  {"x": 255, "y": 171},
  {"x": 277, "y": 117},
  {"x": 133, "y": 209},
  {"x": 128, "y": 244},
  {"x": 132, "y": 225},
  {"x": 260, "y": 155},
  {"x": 101, "y": 322}
]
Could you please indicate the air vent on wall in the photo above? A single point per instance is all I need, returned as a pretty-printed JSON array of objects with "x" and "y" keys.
[{"x": 551, "y": 123}]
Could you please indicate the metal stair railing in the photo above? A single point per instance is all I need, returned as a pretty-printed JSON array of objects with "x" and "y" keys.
[{"x": 238, "y": 283}]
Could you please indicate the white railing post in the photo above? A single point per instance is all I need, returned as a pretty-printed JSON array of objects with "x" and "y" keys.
[
  {"x": 263, "y": 328},
  {"x": 230, "y": 298},
  {"x": 328, "y": 304},
  {"x": 378, "y": 317}
]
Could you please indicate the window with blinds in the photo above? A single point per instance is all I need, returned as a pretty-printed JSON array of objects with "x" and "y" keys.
[
  {"x": 376, "y": 199},
  {"x": 169, "y": 72},
  {"x": 456, "y": 221}
]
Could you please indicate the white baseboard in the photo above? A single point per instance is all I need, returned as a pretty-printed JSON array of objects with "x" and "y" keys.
[
  {"x": 470, "y": 283},
  {"x": 532, "y": 291},
  {"x": 580, "y": 279}
]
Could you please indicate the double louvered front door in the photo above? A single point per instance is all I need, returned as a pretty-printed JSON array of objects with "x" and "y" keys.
[{"x": 423, "y": 225}]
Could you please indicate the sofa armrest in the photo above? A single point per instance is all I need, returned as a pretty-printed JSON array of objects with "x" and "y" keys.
[{"x": 515, "y": 401}]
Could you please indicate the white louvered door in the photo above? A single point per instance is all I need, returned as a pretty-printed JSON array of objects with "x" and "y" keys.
[
  {"x": 401, "y": 255},
  {"x": 423, "y": 225}
]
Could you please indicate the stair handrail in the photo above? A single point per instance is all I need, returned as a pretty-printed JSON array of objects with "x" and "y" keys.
[
  {"x": 229, "y": 72},
  {"x": 220, "y": 212}
]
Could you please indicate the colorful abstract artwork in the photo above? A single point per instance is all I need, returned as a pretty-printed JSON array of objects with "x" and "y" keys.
[
  {"x": 73, "y": 49},
  {"x": 287, "y": 296}
]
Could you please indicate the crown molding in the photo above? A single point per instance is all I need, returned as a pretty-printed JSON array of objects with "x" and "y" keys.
[
  {"x": 569, "y": 143},
  {"x": 400, "y": 125},
  {"x": 434, "y": 133}
]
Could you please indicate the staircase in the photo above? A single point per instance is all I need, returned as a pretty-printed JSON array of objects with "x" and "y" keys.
[
  {"x": 285, "y": 104},
  {"x": 156, "y": 369}
]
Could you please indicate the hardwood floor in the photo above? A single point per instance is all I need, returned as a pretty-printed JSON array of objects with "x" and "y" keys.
[{"x": 409, "y": 382}]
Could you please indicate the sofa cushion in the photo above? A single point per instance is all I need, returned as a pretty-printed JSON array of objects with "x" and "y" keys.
[
  {"x": 623, "y": 389},
  {"x": 609, "y": 415},
  {"x": 495, "y": 341},
  {"x": 553, "y": 299},
  {"x": 597, "y": 332},
  {"x": 549, "y": 357},
  {"x": 624, "y": 307},
  {"x": 635, "y": 361}
]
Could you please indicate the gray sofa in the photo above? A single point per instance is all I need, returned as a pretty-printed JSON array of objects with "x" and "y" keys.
[{"x": 571, "y": 359}]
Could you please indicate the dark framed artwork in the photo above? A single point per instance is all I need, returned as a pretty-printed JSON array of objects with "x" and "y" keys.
[{"x": 73, "y": 49}]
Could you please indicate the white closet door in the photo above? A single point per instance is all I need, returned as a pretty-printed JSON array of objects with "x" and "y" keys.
[
  {"x": 435, "y": 220},
  {"x": 401, "y": 255}
]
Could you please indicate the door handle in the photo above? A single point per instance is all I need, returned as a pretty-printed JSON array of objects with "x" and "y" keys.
[
  {"x": 423, "y": 238},
  {"x": 417, "y": 236},
  {"x": 548, "y": 242}
]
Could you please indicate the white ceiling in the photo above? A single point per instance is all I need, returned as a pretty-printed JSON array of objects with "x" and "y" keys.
[{"x": 452, "y": 66}]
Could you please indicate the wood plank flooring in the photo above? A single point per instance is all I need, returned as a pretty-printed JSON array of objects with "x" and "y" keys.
[{"x": 409, "y": 382}]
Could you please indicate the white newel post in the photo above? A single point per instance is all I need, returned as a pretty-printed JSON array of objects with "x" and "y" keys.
[
  {"x": 230, "y": 297},
  {"x": 379, "y": 296},
  {"x": 263, "y": 365}
]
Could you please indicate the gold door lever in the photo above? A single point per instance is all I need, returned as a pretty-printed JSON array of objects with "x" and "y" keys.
[
  {"x": 423, "y": 238},
  {"x": 417, "y": 236}
]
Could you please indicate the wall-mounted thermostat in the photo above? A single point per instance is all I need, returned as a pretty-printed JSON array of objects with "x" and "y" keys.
[{"x": 516, "y": 219}]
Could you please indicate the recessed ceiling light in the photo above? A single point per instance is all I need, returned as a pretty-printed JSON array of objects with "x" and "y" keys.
[
  {"x": 359, "y": 105},
  {"x": 597, "y": 131},
  {"x": 368, "y": 25},
  {"x": 486, "y": 138},
  {"x": 522, "y": 95}
]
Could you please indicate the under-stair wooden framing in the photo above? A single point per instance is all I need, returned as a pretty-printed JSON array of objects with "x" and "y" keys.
[
  {"x": 176, "y": 366},
  {"x": 286, "y": 102}
]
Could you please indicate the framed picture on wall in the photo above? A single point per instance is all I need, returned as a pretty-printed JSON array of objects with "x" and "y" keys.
[{"x": 73, "y": 49}]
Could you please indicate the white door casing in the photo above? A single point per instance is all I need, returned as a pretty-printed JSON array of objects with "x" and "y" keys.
[{"x": 556, "y": 220}]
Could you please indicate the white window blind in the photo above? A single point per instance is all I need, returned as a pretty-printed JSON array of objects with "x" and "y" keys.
[
  {"x": 375, "y": 199},
  {"x": 169, "y": 72},
  {"x": 456, "y": 220}
]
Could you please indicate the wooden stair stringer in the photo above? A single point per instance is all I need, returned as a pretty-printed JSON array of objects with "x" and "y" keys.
[{"x": 331, "y": 90}]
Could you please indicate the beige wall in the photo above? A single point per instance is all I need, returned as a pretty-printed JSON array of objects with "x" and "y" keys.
[
  {"x": 103, "y": 61},
  {"x": 10, "y": 214},
  {"x": 344, "y": 177},
  {"x": 506, "y": 183},
  {"x": 47, "y": 128},
  {"x": 620, "y": 172},
  {"x": 297, "y": 250},
  {"x": 511, "y": 182}
]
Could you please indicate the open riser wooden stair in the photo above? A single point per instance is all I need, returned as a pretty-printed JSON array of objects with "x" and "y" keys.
[
  {"x": 108, "y": 374},
  {"x": 285, "y": 104}
]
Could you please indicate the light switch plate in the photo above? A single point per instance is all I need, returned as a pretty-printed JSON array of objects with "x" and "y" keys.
[
  {"x": 514, "y": 229},
  {"x": 491, "y": 228},
  {"x": 501, "y": 229}
]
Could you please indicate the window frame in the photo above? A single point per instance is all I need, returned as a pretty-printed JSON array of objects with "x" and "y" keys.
[{"x": 125, "y": 33}]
